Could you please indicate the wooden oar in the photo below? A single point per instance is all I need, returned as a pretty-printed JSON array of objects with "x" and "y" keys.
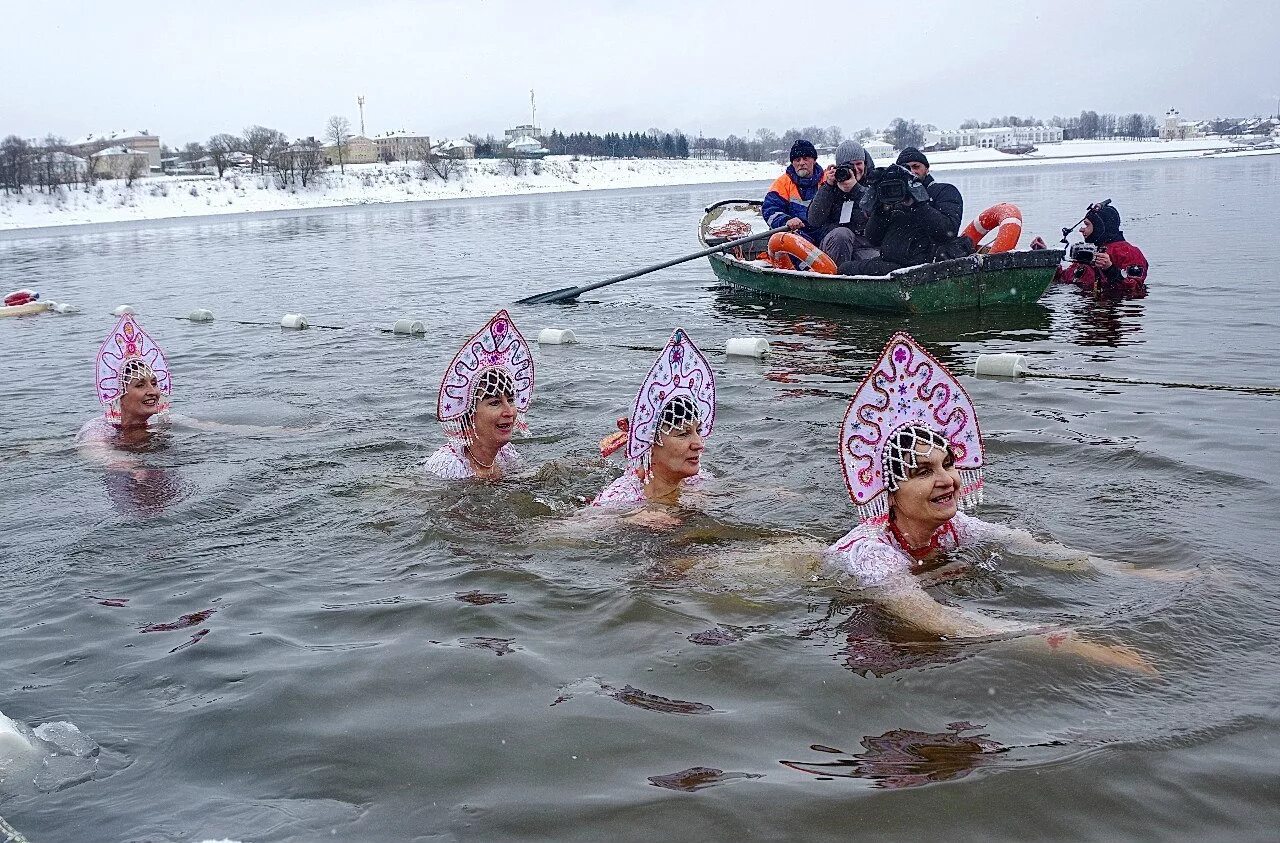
[{"x": 571, "y": 293}]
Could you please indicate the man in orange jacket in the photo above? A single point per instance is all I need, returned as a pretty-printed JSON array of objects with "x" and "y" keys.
[{"x": 787, "y": 202}]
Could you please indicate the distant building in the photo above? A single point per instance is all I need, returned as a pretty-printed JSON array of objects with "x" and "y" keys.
[
  {"x": 141, "y": 141},
  {"x": 879, "y": 151},
  {"x": 1175, "y": 128},
  {"x": 998, "y": 136},
  {"x": 527, "y": 131},
  {"x": 527, "y": 146},
  {"x": 402, "y": 146},
  {"x": 119, "y": 162},
  {"x": 455, "y": 149},
  {"x": 357, "y": 150}
]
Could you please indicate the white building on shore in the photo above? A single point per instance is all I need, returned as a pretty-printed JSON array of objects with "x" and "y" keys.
[
  {"x": 998, "y": 136},
  {"x": 141, "y": 141}
]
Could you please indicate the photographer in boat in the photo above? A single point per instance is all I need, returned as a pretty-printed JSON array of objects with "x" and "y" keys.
[
  {"x": 1105, "y": 264},
  {"x": 836, "y": 213},
  {"x": 907, "y": 222}
]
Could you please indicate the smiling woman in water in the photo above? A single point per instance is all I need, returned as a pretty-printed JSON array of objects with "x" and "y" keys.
[
  {"x": 133, "y": 384},
  {"x": 484, "y": 395},
  {"x": 665, "y": 435},
  {"x": 912, "y": 457}
]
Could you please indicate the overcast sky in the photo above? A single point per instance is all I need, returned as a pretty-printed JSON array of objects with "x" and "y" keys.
[{"x": 452, "y": 68}]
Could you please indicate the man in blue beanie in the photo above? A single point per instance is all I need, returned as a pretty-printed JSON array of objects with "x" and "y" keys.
[{"x": 787, "y": 202}]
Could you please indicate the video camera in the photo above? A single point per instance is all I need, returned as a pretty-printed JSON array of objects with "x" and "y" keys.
[
  {"x": 1082, "y": 253},
  {"x": 893, "y": 185}
]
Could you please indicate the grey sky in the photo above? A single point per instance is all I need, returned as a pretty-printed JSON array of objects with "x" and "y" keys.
[{"x": 449, "y": 68}]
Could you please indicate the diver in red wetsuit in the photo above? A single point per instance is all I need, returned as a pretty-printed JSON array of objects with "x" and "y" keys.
[{"x": 1115, "y": 267}]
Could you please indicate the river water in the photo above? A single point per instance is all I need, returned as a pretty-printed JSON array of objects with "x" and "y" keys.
[{"x": 290, "y": 637}]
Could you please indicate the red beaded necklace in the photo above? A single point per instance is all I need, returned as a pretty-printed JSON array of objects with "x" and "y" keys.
[{"x": 918, "y": 553}]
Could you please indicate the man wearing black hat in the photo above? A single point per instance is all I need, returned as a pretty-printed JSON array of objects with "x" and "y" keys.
[
  {"x": 787, "y": 202},
  {"x": 944, "y": 196}
]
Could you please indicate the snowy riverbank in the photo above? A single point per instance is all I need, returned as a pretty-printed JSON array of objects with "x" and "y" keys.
[{"x": 164, "y": 197}]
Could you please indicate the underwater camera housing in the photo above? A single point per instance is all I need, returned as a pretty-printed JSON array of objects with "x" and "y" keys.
[{"x": 1082, "y": 253}]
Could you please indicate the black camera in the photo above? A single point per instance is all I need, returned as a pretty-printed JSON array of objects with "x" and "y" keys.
[
  {"x": 894, "y": 184},
  {"x": 1082, "y": 253},
  {"x": 843, "y": 174}
]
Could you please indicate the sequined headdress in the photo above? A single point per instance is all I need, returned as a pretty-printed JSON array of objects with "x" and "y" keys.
[
  {"x": 497, "y": 359},
  {"x": 681, "y": 384},
  {"x": 128, "y": 353},
  {"x": 907, "y": 397}
]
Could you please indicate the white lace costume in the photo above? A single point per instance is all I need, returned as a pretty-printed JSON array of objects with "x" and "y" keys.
[
  {"x": 450, "y": 462},
  {"x": 872, "y": 556}
]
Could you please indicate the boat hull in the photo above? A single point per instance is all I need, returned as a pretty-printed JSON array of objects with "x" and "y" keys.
[{"x": 978, "y": 281}]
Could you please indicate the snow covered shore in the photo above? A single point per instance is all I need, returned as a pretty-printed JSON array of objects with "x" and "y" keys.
[{"x": 164, "y": 197}]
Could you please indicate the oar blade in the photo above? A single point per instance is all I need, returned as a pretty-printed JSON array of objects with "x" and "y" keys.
[{"x": 561, "y": 295}]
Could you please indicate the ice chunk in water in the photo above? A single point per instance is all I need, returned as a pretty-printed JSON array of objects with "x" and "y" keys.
[
  {"x": 61, "y": 772},
  {"x": 67, "y": 739}
]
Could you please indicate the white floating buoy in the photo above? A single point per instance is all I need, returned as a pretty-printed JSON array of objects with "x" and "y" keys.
[
  {"x": 63, "y": 307},
  {"x": 408, "y": 326},
  {"x": 1006, "y": 364},
  {"x": 200, "y": 314},
  {"x": 756, "y": 347},
  {"x": 556, "y": 336},
  {"x": 122, "y": 310},
  {"x": 295, "y": 321},
  {"x": 13, "y": 741}
]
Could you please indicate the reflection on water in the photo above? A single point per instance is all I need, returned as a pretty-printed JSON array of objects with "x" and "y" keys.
[
  {"x": 143, "y": 492},
  {"x": 1109, "y": 323},
  {"x": 906, "y": 758}
]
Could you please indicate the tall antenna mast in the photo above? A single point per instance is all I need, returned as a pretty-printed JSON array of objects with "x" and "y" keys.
[
  {"x": 360, "y": 102},
  {"x": 533, "y": 107}
]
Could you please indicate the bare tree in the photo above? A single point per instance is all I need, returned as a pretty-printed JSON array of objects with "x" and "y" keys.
[
  {"x": 309, "y": 160},
  {"x": 136, "y": 168},
  {"x": 258, "y": 141},
  {"x": 338, "y": 132},
  {"x": 15, "y": 163},
  {"x": 191, "y": 153},
  {"x": 220, "y": 146}
]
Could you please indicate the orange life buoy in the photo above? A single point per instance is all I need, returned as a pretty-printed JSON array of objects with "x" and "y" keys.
[
  {"x": 1007, "y": 218},
  {"x": 791, "y": 251}
]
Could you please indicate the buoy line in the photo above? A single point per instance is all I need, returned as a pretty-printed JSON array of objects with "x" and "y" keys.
[{"x": 1008, "y": 364}]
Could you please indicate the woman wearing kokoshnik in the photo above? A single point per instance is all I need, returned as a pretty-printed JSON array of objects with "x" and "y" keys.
[
  {"x": 133, "y": 383},
  {"x": 912, "y": 456},
  {"x": 484, "y": 395},
  {"x": 666, "y": 433}
]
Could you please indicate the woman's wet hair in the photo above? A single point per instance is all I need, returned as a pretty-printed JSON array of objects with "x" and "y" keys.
[
  {"x": 900, "y": 456},
  {"x": 676, "y": 414}
]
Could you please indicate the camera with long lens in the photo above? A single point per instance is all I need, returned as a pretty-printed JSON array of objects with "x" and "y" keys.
[
  {"x": 1082, "y": 253},
  {"x": 843, "y": 173}
]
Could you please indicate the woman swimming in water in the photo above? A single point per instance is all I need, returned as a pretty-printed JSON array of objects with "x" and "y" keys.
[
  {"x": 486, "y": 390},
  {"x": 133, "y": 384},
  {"x": 912, "y": 457},
  {"x": 666, "y": 433}
]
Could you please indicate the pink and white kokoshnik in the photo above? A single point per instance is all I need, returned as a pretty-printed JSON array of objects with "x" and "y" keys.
[
  {"x": 906, "y": 387},
  {"x": 680, "y": 370},
  {"x": 498, "y": 345},
  {"x": 128, "y": 342}
]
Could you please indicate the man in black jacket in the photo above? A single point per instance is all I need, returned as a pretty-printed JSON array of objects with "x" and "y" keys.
[
  {"x": 837, "y": 212},
  {"x": 913, "y": 220}
]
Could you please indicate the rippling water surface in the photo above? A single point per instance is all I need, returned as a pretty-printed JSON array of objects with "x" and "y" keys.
[{"x": 299, "y": 636}]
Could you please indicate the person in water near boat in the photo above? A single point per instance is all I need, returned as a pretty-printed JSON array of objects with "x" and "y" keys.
[
  {"x": 906, "y": 224},
  {"x": 665, "y": 435},
  {"x": 1107, "y": 264},
  {"x": 912, "y": 457},
  {"x": 836, "y": 213},
  {"x": 131, "y": 373},
  {"x": 484, "y": 395},
  {"x": 787, "y": 202}
]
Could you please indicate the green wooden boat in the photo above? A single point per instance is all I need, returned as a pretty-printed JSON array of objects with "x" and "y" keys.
[{"x": 977, "y": 281}]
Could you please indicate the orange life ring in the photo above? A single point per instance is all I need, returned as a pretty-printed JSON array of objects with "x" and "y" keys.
[
  {"x": 791, "y": 251},
  {"x": 1007, "y": 218}
]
